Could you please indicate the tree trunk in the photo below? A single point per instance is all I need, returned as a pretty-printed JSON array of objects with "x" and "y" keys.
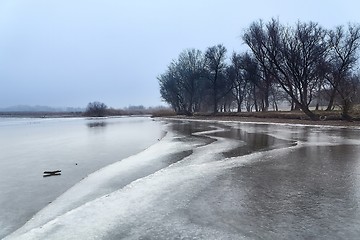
[
  {"x": 238, "y": 106},
  {"x": 310, "y": 114},
  {"x": 295, "y": 106},
  {"x": 256, "y": 106},
  {"x": 266, "y": 98},
  {"x": 248, "y": 107},
  {"x": 331, "y": 101},
  {"x": 276, "y": 106},
  {"x": 346, "y": 109},
  {"x": 317, "y": 107},
  {"x": 215, "y": 106}
]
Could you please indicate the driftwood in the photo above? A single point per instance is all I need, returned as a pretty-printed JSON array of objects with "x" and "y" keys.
[{"x": 52, "y": 173}]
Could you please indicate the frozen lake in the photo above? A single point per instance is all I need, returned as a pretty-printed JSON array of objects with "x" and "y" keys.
[
  {"x": 78, "y": 147},
  {"x": 203, "y": 180}
]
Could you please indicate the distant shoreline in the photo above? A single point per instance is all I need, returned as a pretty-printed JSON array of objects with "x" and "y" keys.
[
  {"x": 41, "y": 114},
  {"x": 59, "y": 115},
  {"x": 258, "y": 117}
]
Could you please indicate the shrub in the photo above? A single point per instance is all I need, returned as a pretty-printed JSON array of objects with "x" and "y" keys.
[{"x": 96, "y": 109}]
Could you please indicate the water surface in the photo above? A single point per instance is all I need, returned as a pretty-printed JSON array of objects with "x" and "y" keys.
[
  {"x": 213, "y": 180},
  {"x": 78, "y": 147}
]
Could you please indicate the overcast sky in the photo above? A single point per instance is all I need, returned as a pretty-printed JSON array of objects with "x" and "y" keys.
[{"x": 70, "y": 52}]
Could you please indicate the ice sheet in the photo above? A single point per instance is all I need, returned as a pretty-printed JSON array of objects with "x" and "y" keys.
[
  {"x": 88, "y": 198},
  {"x": 99, "y": 183},
  {"x": 152, "y": 206},
  {"x": 142, "y": 205}
]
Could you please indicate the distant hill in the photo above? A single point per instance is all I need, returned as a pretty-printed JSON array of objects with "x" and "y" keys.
[{"x": 26, "y": 108}]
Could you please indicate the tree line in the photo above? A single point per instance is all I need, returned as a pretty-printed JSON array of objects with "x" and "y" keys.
[
  {"x": 100, "y": 109},
  {"x": 305, "y": 65}
]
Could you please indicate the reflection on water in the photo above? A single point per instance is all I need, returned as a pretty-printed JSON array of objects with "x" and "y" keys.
[
  {"x": 312, "y": 194},
  {"x": 187, "y": 130},
  {"x": 311, "y": 191},
  {"x": 96, "y": 124},
  {"x": 253, "y": 142},
  {"x": 257, "y": 139}
]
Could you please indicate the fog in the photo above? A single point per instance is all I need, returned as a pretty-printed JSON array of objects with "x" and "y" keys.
[{"x": 68, "y": 53}]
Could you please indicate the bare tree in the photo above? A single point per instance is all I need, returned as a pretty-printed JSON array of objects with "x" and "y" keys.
[
  {"x": 191, "y": 70},
  {"x": 291, "y": 55},
  {"x": 348, "y": 90},
  {"x": 235, "y": 75},
  {"x": 225, "y": 90},
  {"x": 215, "y": 60},
  {"x": 183, "y": 82},
  {"x": 344, "y": 46},
  {"x": 256, "y": 38},
  {"x": 252, "y": 76},
  {"x": 169, "y": 89}
]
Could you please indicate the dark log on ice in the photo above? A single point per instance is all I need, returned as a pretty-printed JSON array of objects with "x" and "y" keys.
[{"x": 52, "y": 173}]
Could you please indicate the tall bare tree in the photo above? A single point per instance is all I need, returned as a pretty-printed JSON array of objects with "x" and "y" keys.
[
  {"x": 343, "y": 55},
  {"x": 169, "y": 88},
  {"x": 215, "y": 60},
  {"x": 256, "y": 37},
  {"x": 192, "y": 72},
  {"x": 291, "y": 55},
  {"x": 183, "y": 83},
  {"x": 252, "y": 76},
  {"x": 235, "y": 74}
]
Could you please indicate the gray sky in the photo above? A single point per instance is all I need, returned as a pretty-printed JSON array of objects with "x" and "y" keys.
[{"x": 70, "y": 52}]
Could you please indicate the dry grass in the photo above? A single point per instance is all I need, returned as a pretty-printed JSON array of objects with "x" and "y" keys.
[
  {"x": 333, "y": 115},
  {"x": 163, "y": 113},
  {"x": 291, "y": 117}
]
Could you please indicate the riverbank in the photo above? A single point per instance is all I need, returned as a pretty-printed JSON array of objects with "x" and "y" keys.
[{"x": 272, "y": 117}]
